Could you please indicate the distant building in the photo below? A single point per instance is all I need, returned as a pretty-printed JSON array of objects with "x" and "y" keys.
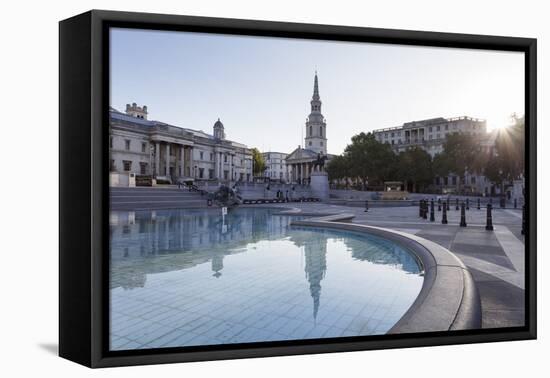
[
  {"x": 171, "y": 153},
  {"x": 431, "y": 134},
  {"x": 276, "y": 166}
]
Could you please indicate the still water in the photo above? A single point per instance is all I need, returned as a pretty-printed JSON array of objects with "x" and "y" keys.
[{"x": 193, "y": 277}]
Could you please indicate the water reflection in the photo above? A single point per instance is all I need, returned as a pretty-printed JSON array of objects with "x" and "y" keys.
[{"x": 150, "y": 242}]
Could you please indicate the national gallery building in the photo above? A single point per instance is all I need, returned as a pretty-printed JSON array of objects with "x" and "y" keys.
[{"x": 169, "y": 153}]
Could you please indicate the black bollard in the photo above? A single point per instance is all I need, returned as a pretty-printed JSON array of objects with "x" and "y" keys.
[
  {"x": 448, "y": 204},
  {"x": 489, "y": 225},
  {"x": 515, "y": 203},
  {"x": 432, "y": 213},
  {"x": 467, "y": 204},
  {"x": 502, "y": 202},
  {"x": 425, "y": 213},
  {"x": 523, "y": 221},
  {"x": 462, "y": 215},
  {"x": 444, "y": 217},
  {"x": 439, "y": 204},
  {"x": 478, "y": 204},
  {"x": 456, "y": 201},
  {"x": 366, "y": 206}
]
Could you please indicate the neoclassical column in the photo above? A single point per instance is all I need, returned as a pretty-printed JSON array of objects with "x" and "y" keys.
[
  {"x": 191, "y": 162},
  {"x": 157, "y": 159},
  {"x": 220, "y": 165},
  {"x": 177, "y": 170},
  {"x": 167, "y": 159},
  {"x": 182, "y": 157},
  {"x": 230, "y": 167}
]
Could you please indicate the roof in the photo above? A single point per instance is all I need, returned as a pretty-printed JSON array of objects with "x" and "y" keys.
[
  {"x": 116, "y": 114},
  {"x": 302, "y": 154}
]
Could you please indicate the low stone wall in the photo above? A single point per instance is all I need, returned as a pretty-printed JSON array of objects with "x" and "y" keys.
[{"x": 371, "y": 203}]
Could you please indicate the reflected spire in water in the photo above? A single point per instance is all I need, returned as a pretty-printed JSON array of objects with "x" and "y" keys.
[
  {"x": 217, "y": 265},
  {"x": 315, "y": 268}
]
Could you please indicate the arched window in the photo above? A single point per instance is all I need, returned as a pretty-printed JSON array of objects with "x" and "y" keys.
[
  {"x": 321, "y": 131},
  {"x": 310, "y": 130}
]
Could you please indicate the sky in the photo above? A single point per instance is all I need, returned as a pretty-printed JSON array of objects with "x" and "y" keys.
[{"x": 260, "y": 87}]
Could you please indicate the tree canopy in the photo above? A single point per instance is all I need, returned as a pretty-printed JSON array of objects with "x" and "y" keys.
[{"x": 258, "y": 162}]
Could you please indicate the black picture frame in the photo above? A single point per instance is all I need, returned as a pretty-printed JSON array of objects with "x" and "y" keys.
[{"x": 84, "y": 193}]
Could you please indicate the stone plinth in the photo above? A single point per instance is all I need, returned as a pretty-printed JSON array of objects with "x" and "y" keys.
[{"x": 319, "y": 185}]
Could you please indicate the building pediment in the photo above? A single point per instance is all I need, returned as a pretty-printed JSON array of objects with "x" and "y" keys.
[{"x": 301, "y": 155}]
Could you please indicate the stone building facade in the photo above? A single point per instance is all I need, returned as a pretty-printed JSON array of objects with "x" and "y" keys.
[
  {"x": 276, "y": 168},
  {"x": 430, "y": 135},
  {"x": 170, "y": 153}
]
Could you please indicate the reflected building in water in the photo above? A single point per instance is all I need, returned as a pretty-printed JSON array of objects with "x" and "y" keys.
[
  {"x": 183, "y": 238},
  {"x": 150, "y": 242}
]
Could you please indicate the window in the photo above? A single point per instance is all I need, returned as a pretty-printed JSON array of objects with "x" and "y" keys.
[
  {"x": 430, "y": 129},
  {"x": 127, "y": 144},
  {"x": 438, "y": 128},
  {"x": 201, "y": 156},
  {"x": 201, "y": 172},
  {"x": 143, "y": 147},
  {"x": 321, "y": 130},
  {"x": 446, "y": 127},
  {"x": 127, "y": 165},
  {"x": 225, "y": 174},
  {"x": 211, "y": 174},
  {"x": 392, "y": 135},
  {"x": 142, "y": 168},
  {"x": 113, "y": 167},
  {"x": 310, "y": 130},
  {"x": 321, "y": 143},
  {"x": 473, "y": 180},
  {"x": 225, "y": 159},
  {"x": 111, "y": 142},
  {"x": 211, "y": 156},
  {"x": 454, "y": 180},
  {"x": 310, "y": 143}
]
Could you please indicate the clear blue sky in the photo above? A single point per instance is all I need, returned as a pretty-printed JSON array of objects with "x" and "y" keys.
[{"x": 261, "y": 87}]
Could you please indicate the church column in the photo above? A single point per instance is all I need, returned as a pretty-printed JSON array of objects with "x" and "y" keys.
[
  {"x": 157, "y": 158},
  {"x": 167, "y": 159}
]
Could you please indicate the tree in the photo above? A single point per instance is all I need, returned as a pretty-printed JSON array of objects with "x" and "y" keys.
[
  {"x": 508, "y": 160},
  {"x": 369, "y": 159},
  {"x": 415, "y": 166},
  {"x": 258, "y": 163},
  {"x": 461, "y": 154},
  {"x": 338, "y": 168}
]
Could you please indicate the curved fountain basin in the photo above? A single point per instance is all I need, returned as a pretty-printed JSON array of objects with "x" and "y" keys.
[{"x": 186, "y": 278}]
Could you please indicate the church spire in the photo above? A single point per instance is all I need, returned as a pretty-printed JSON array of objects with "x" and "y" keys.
[{"x": 316, "y": 88}]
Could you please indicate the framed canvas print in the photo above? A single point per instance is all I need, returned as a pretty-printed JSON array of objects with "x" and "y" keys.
[{"x": 235, "y": 188}]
